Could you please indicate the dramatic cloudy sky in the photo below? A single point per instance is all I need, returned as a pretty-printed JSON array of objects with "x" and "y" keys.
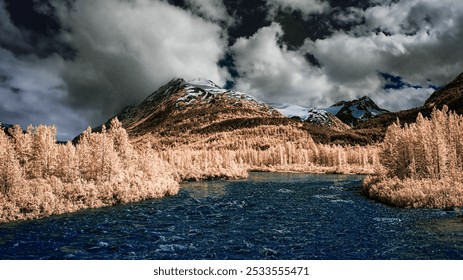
[{"x": 76, "y": 63}]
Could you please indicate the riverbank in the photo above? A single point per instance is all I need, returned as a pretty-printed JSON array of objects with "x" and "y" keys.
[
  {"x": 412, "y": 193},
  {"x": 40, "y": 178},
  {"x": 267, "y": 216},
  {"x": 423, "y": 163}
]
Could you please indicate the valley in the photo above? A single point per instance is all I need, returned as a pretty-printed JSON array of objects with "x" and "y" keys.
[{"x": 195, "y": 130}]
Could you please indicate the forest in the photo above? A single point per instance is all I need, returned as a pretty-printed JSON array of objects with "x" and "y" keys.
[
  {"x": 39, "y": 177},
  {"x": 417, "y": 165},
  {"x": 423, "y": 163}
]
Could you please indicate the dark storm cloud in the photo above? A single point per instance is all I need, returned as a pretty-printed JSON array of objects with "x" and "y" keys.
[
  {"x": 30, "y": 73},
  {"x": 31, "y": 27},
  {"x": 250, "y": 16},
  {"x": 32, "y": 92},
  {"x": 432, "y": 52},
  {"x": 319, "y": 20},
  {"x": 277, "y": 74}
]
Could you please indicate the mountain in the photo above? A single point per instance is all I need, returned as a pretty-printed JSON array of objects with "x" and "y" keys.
[
  {"x": 450, "y": 95},
  {"x": 194, "y": 107},
  {"x": 356, "y": 111},
  {"x": 309, "y": 115}
]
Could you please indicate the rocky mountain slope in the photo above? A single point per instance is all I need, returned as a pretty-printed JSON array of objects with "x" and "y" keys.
[
  {"x": 356, "y": 111},
  {"x": 190, "y": 111},
  {"x": 193, "y": 107},
  {"x": 450, "y": 95}
]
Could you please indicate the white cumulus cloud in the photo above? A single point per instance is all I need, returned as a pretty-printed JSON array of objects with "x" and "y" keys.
[
  {"x": 306, "y": 7},
  {"x": 213, "y": 10},
  {"x": 124, "y": 51},
  {"x": 276, "y": 74},
  {"x": 418, "y": 40}
]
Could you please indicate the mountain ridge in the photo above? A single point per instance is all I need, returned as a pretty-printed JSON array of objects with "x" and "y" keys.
[
  {"x": 309, "y": 115},
  {"x": 182, "y": 107},
  {"x": 450, "y": 95},
  {"x": 356, "y": 111}
]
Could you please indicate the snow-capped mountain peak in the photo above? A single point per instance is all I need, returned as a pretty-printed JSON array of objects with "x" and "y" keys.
[
  {"x": 203, "y": 84},
  {"x": 195, "y": 105},
  {"x": 356, "y": 111},
  {"x": 204, "y": 91}
]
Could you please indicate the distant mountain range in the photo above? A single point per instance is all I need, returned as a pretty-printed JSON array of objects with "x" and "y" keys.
[
  {"x": 309, "y": 115},
  {"x": 197, "y": 108},
  {"x": 184, "y": 110},
  {"x": 349, "y": 112}
]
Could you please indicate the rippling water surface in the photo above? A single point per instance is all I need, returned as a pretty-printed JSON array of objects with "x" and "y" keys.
[{"x": 268, "y": 216}]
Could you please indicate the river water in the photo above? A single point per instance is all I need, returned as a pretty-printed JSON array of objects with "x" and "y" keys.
[{"x": 267, "y": 216}]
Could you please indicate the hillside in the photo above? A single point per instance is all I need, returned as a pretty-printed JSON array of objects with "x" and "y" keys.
[
  {"x": 194, "y": 107},
  {"x": 450, "y": 95}
]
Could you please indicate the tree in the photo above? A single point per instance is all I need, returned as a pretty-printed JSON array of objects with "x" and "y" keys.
[
  {"x": 10, "y": 172},
  {"x": 43, "y": 151}
]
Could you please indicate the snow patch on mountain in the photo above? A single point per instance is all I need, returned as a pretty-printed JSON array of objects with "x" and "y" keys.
[
  {"x": 306, "y": 114},
  {"x": 205, "y": 90},
  {"x": 355, "y": 111},
  {"x": 206, "y": 85}
]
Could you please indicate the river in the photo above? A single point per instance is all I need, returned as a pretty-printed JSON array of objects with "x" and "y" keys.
[{"x": 267, "y": 216}]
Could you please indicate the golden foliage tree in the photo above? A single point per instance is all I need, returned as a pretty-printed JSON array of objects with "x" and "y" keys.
[
  {"x": 423, "y": 163},
  {"x": 39, "y": 177}
]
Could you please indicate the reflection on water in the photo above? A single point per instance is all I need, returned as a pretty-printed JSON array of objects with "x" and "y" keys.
[
  {"x": 447, "y": 225},
  {"x": 267, "y": 216},
  {"x": 204, "y": 189},
  {"x": 446, "y": 233},
  {"x": 448, "y": 229}
]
